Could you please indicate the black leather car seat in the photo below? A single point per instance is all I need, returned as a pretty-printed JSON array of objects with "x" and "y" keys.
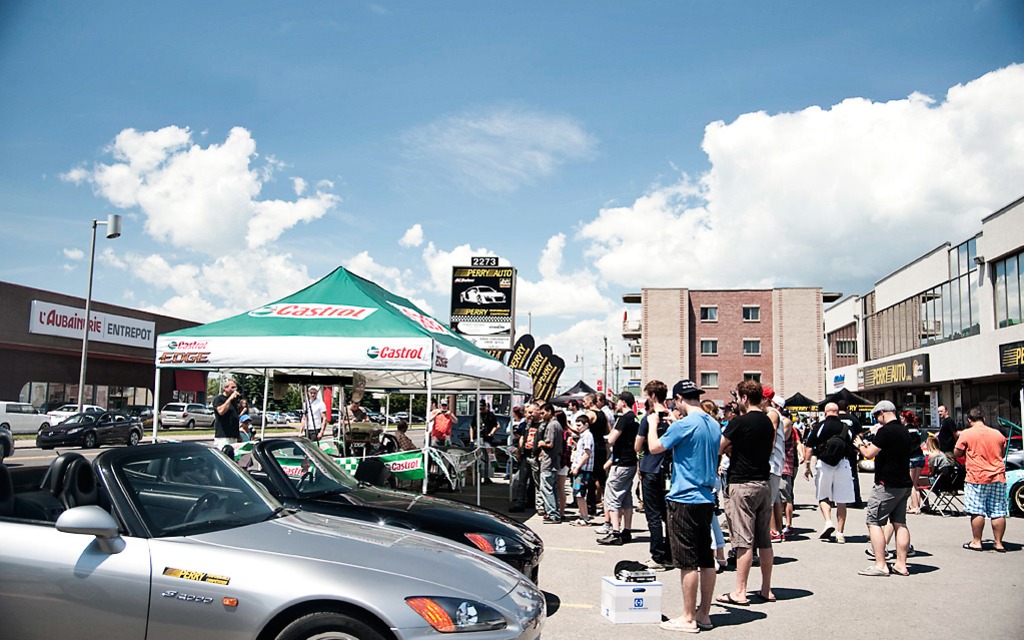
[{"x": 79, "y": 486}]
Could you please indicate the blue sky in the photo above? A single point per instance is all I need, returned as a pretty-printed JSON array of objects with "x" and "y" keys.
[{"x": 599, "y": 147}]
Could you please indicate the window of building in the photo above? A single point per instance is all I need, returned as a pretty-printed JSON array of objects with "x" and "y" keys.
[
  {"x": 751, "y": 347},
  {"x": 1009, "y": 285},
  {"x": 751, "y": 313},
  {"x": 709, "y": 314},
  {"x": 709, "y": 379},
  {"x": 709, "y": 347},
  {"x": 846, "y": 347},
  {"x": 752, "y": 375}
]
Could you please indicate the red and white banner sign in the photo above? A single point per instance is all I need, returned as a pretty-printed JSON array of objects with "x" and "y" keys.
[{"x": 47, "y": 318}]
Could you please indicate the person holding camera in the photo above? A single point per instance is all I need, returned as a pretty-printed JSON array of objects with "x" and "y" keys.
[
  {"x": 652, "y": 475},
  {"x": 225, "y": 419}
]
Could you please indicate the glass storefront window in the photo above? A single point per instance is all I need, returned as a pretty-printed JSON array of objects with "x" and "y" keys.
[{"x": 1013, "y": 315}]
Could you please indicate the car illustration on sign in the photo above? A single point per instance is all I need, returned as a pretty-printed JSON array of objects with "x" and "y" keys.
[{"x": 482, "y": 294}]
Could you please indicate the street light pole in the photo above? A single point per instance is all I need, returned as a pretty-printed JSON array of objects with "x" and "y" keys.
[{"x": 113, "y": 224}]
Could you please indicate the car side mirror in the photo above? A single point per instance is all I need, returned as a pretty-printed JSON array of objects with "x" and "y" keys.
[{"x": 91, "y": 520}]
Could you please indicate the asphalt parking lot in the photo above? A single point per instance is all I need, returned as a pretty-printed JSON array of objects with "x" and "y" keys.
[{"x": 950, "y": 592}]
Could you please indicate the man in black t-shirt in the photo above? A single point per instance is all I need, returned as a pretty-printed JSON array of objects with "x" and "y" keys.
[
  {"x": 891, "y": 448},
  {"x": 949, "y": 432},
  {"x": 621, "y": 467},
  {"x": 225, "y": 415},
  {"x": 652, "y": 478},
  {"x": 749, "y": 440}
]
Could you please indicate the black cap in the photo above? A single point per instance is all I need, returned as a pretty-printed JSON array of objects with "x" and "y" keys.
[{"x": 687, "y": 389}]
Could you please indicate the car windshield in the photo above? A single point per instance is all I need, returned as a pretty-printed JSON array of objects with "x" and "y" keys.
[
  {"x": 182, "y": 493},
  {"x": 311, "y": 471},
  {"x": 79, "y": 418}
]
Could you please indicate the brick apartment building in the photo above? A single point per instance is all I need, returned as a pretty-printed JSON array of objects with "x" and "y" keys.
[{"x": 718, "y": 337}]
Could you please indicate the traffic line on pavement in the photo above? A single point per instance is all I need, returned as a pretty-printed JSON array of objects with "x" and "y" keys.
[{"x": 601, "y": 551}]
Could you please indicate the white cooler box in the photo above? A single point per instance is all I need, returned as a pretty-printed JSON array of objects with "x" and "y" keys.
[{"x": 626, "y": 602}]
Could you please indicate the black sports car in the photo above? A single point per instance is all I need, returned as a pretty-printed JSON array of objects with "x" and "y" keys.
[
  {"x": 302, "y": 476},
  {"x": 90, "y": 430}
]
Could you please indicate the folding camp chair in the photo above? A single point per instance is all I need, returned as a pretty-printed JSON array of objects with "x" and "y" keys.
[{"x": 944, "y": 496}]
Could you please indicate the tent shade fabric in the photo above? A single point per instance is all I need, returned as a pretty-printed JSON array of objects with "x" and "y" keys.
[
  {"x": 800, "y": 402},
  {"x": 337, "y": 325},
  {"x": 853, "y": 401},
  {"x": 575, "y": 392}
]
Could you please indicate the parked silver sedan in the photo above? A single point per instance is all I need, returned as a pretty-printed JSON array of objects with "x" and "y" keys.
[{"x": 187, "y": 545}]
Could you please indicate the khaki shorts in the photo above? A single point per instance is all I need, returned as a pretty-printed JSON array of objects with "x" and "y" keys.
[
  {"x": 618, "y": 488},
  {"x": 887, "y": 504},
  {"x": 749, "y": 510}
]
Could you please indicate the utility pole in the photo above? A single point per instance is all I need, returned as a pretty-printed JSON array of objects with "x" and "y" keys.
[
  {"x": 583, "y": 366},
  {"x": 605, "y": 378}
]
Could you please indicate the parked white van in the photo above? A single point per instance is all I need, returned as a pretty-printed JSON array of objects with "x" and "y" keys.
[{"x": 21, "y": 417}]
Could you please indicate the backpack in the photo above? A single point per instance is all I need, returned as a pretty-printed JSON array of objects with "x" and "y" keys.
[{"x": 833, "y": 450}]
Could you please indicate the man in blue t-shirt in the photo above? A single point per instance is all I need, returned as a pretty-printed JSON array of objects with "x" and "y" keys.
[{"x": 694, "y": 443}]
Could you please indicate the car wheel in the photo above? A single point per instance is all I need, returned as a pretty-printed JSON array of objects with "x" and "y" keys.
[
  {"x": 5, "y": 426},
  {"x": 191, "y": 424},
  {"x": 1017, "y": 499},
  {"x": 89, "y": 441},
  {"x": 4, "y": 452},
  {"x": 133, "y": 438},
  {"x": 327, "y": 625}
]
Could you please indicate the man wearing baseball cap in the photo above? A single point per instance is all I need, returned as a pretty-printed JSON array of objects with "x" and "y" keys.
[
  {"x": 694, "y": 442},
  {"x": 891, "y": 449}
]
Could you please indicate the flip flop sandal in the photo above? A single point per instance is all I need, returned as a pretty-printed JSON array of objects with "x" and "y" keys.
[
  {"x": 901, "y": 573},
  {"x": 873, "y": 572},
  {"x": 675, "y": 625},
  {"x": 726, "y": 598},
  {"x": 967, "y": 545},
  {"x": 764, "y": 599}
]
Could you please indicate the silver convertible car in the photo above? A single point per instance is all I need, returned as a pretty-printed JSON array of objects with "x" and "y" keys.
[{"x": 167, "y": 541}]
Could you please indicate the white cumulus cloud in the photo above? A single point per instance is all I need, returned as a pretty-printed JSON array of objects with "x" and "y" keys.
[
  {"x": 557, "y": 293},
  {"x": 500, "y": 149},
  {"x": 824, "y": 196},
  {"x": 186, "y": 191},
  {"x": 413, "y": 236},
  {"x": 74, "y": 254}
]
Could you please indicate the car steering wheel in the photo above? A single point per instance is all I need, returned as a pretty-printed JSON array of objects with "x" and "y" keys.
[
  {"x": 204, "y": 503},
  {"x": 306, "y": 479}
]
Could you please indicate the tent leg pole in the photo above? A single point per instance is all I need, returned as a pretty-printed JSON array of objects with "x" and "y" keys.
[
  {"x": 479, "y": 428},
  {"x": 426, "y": 433},
  {"x": 266, "y": 391},
  {"x": 156, "y": 404}
]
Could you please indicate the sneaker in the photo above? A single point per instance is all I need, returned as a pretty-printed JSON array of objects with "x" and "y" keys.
[
  {"x": 552, "y": 521},
  {"x": 611, "y": 539},
  {"x": 778, "y": 536},
  {"x": 604, "y": 529},
  {"x": 654, "y": 565},
  {"x": 910, "y": 552},
  {"x": 787, "y": 531},
  {"x": 840, "y": 538},
  {"x": 826, "y": 533}
]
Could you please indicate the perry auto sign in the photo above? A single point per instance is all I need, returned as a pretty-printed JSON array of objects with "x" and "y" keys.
[
  {"x": 483, "y": 303},
  {"x": 1011, "y": 357},
  {"x": 905, "y": 371},
  {"x": 51, "y": 319}
]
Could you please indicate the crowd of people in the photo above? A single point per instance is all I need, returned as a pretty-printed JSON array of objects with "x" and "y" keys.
[{"x": 698, "y": 468}]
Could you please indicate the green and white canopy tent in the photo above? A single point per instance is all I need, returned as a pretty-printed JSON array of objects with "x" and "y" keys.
[{"x": 336, "y": 327}]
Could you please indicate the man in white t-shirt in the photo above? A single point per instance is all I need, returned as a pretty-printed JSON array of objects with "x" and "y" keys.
[{"x": 314, "y": 415}]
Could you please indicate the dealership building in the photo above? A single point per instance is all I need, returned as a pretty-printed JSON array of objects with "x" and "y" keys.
[
  {"x": 719, "y": 337},
  {"x": 944, "y": 329},
  {"x": 41, "y": 350}
]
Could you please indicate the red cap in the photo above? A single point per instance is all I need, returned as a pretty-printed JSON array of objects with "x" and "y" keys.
[{"x": 768, "y": 392}]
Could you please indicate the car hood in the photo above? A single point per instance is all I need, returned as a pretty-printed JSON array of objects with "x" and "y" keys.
[
  {"x": 373, "y": 548},
  {"x": 436, "y": 511}
]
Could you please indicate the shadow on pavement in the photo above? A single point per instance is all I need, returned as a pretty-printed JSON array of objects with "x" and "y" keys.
[
  {"x": 735, "y": 616},
  {"x": 918, "y": 569},
  {"x": 783, "y": 560},
  {"x": 783, "y": 593}
]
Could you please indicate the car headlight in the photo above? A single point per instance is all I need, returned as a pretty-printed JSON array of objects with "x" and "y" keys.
[
  {"x": 72, "y": 432},
  {"x": 494, "y": 544},
  {"x": 455, "y": 615}
]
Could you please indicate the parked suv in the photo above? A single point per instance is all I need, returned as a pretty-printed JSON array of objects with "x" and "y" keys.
[
  {"x": 189, "y": 415},
  {"x": 21, "y": 417}
]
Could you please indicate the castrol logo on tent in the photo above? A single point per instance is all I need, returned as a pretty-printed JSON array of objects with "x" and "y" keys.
[
  {"x": 312, "y": 311},
  {"x": 391, "y": 353}
]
